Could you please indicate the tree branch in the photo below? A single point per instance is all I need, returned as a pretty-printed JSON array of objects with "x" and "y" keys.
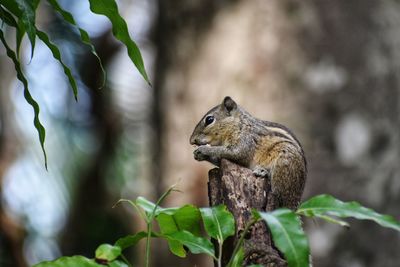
[{"x": 241, "y": 191}]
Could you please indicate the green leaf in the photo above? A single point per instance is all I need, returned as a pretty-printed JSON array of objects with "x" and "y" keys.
[
  {"x": 11, "y": 6},
  {"x": 117, "y": 264},
  {"x": 73, "y": 261},
  {"x": 107, "y": 252},
  {"x": 288, "y": 236},
  {"x": 83, "y": 34},
  {"x": 7, "y": 17},
  {"x": 168, "y": 226},
  {"x": 238, "y": 258},
  {"x": 149, "y": 207},
  {"x": 219, "y": 222},
  {"x": 195, "y": 244},
  {"x": 20, "y": 32},
  {"x": 185, "y": 218},
  {"x": 188, "y": 218},
  {"x": 109, "y": 9},
  {"x": 27, "y": 18},
  {"x": 57, "y": 55},
  {"x": 131, "y": 240},
  {"x": 20, "y": 75},
  {"x": 334, "y": 220},
  {"x": 321, "y": 205}
]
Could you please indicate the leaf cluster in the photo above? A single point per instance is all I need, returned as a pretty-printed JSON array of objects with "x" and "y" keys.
[
  {"x": 181, "y": 228},
  {"x": 21, "y": 16}
]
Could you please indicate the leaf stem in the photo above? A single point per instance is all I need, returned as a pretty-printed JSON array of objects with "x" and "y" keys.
[
  {"x": 149, "y": 222},
  {"x": 220, "y": 253},
  {"x": 147, "y": 259},
  {"x": 240, "y": 241}
]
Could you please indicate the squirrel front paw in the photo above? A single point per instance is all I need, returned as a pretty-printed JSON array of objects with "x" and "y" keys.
[
  {"x": 200, "y": 153},
  {"x": 261, "y": 171}
]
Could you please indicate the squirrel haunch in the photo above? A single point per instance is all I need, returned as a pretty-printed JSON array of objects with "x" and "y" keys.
[{"x": 269, "y": 149}]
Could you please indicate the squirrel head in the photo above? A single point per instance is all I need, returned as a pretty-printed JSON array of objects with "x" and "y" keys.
[{"x": 218, "y": 126}]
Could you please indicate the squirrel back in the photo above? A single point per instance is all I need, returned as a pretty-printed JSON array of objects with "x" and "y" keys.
[{"x": 270, "y": 149}]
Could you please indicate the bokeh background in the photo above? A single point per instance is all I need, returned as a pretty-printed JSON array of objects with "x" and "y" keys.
[{"x": 329, "y": 70}]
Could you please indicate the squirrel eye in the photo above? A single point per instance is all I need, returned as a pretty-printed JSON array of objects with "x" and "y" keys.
[{"x": 209, "y": 119}]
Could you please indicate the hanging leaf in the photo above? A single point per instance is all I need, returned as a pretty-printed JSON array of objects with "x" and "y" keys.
[
  {"x": 288, "y": 236},
  {"x": 9, "y": 19},
  {"x": 83, "y": 34},
  {"x": 321, "y": 205},
  {"x": 219, "y": 222},
  {"x": 109, "y": 9},
  {"x": 57, "y": 55},
  {"x": 20, "y": 75},
  {"x": 27, "y": 17}
]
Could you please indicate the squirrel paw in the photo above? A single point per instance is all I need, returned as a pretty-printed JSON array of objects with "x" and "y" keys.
[
  {"x": 261, "y": 171},
  {"x": 201, "y": 153}
]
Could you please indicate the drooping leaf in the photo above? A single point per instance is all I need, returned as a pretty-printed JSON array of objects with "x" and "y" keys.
[
  {"x": 7, "y": 17},
  {"x": 107, "y": 252},
  {"x": 218, "y": 222},
  {"x": 168, "y": 226},
  {"x": 73, "y": 261},
  {"x": 195, "y": 244},
  {"x": 11, "y": 5},
  {"x": 20, "y": 75},
  {"x": 109, "y": 9},
  {"x": 28, "y": 14},
  {"x": 288, "y": 236},
  {"x": 20, "y": 32},
  {"x": 321, "y": 205},
  {"x": 57, "y": 55},
  {"x": 67, "y": 16}
]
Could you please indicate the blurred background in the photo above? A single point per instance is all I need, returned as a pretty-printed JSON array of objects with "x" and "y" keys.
[{"x": 329, "y": 70}]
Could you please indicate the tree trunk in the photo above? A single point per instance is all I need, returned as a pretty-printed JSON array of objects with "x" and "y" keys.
[
  {"x": 329, "y": 70},
  {"x": 241, "y": 191}
]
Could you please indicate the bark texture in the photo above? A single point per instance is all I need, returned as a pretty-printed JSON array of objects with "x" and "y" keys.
[
  {"x": 241, "y": 191},
  {"x": 329, "y": 70}
]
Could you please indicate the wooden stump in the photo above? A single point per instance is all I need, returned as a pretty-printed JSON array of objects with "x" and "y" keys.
[{"x": 241, "y": 191}]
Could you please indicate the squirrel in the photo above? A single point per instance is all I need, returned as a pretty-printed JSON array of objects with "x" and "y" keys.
[{"x": 269, "y": 149}]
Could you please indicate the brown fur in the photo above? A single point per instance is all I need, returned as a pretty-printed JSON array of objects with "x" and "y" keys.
[{"x": 268, "y": 148}]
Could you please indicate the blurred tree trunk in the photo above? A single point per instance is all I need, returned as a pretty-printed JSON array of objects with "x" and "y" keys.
[
  {"x": 327, "y": 69},
  {"x": 12, "y": 234},
  {"x": 353, "y": 63},
  {"x": 91, "y": 202}
]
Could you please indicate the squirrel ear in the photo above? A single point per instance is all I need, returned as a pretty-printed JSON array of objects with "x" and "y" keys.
[{"x": 229, "y": 104}]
